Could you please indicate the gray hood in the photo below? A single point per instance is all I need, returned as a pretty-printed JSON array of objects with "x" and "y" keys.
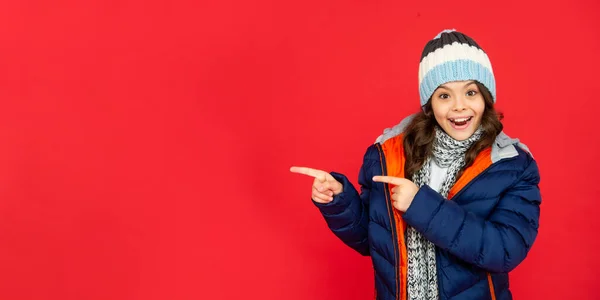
[{"x": 503, "y": 147}]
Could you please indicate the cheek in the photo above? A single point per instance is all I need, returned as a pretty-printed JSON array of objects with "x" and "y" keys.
[
  {"x": 439, "y": 111},
  {"x": 440, "y": 117},
  {"x": 481, "y": 109},
  {"x": 478, "y": 107}
]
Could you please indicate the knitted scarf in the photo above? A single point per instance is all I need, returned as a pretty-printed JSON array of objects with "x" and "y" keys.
[{"x": 422, "y": 273}]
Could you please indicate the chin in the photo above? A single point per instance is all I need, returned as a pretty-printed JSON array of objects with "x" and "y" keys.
[{"x": 460, "y": 136}]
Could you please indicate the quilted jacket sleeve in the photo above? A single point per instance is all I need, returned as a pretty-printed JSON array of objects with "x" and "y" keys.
[
  {"x": 348, "y": 214},
  {"x": 498, "y": 243}
]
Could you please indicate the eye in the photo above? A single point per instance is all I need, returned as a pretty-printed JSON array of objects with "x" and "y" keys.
[
  {"x": 444, "y": 96},
  {"x": 471, "y": 93}
]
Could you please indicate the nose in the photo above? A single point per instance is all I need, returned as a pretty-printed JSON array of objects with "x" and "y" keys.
[{"x": 459, "y": 104}]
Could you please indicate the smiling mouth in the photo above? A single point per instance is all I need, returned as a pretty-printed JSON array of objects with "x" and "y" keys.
[{"x": 460, "y": 121}]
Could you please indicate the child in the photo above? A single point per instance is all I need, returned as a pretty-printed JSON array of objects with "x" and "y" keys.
[{"x": 449, "y": 204}]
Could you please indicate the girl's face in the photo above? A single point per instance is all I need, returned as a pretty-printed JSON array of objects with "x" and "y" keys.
[{"x": 458, "y": 107}]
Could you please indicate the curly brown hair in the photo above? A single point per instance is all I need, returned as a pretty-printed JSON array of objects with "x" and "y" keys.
[{"x": 420, "y": 133}]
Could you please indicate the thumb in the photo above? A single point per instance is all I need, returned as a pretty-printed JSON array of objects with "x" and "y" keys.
[
  {"x": 335, "y": 185},
  {"x": 323, "y": 177}
]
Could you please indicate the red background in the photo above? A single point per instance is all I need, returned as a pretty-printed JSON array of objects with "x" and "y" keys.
[{"x": 145, "y": 146}]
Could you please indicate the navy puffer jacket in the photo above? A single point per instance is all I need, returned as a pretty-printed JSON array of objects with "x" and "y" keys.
[{"x": 481, "y": 234}]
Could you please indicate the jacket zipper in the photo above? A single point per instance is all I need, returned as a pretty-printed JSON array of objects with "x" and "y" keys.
[
  {"x": 491, "y": 284},
  {"x": 392, "y": 220}
]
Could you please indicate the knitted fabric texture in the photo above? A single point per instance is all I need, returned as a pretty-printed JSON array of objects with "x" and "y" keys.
[
  {"x": 422, "y": 271},
  {"x": 453, "y": 56}
]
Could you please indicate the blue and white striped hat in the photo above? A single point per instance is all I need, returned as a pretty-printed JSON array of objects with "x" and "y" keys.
[{"x": 453, "y": 56}]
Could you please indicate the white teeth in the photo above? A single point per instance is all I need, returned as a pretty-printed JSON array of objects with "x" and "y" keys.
[{"x": 459, "y": 120}]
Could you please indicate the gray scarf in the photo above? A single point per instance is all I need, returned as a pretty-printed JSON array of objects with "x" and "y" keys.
[{"x": 422, "y": 273}]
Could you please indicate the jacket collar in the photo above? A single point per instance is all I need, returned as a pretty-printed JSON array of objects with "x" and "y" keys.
[{"x": 503, "y": 147}]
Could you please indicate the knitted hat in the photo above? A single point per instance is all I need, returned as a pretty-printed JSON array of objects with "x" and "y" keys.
[{"x": 453, "y": 56}]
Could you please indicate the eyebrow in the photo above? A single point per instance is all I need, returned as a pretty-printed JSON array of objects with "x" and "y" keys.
[
  {"x": 469, "y": 83},
  {"x": 464, "y": 86}
]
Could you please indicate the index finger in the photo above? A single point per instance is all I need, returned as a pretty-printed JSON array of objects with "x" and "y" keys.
[
  {"x": 308, "y": 171},
  {"x": 389, "y": 179}
]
